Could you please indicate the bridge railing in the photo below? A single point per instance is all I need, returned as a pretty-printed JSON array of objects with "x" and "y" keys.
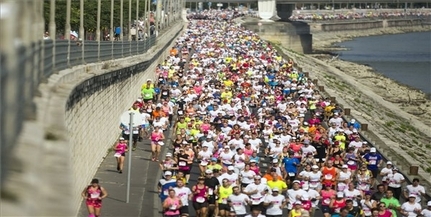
[{"x": 40, "y": 38}]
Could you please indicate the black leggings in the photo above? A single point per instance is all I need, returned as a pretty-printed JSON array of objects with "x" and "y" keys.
[{"x": 396, "y": 191}]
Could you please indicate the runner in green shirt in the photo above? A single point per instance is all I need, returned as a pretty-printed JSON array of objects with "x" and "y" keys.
[
  {"x": 391, "y": 202},
  {"x": 148, "y": 93}
]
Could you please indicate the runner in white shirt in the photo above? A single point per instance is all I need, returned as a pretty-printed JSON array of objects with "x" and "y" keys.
[
  {"x": 256, "y": 191},
  {"x": 275, "y": 203},
  {"x": 185, "y": 194},
  {"x": 352, "y": 194},
  {"x": 230, "y": 175},
  {"x": 255, "y": 142},
  {"x": 427, "y": 211},
  {"x": 411, "y": 208},
  {"x": 314, "y": 195},
  {"x": 294, "y": 194},
  {"x": 416, "y": 189},
  {"x": 238, "y": 202}
]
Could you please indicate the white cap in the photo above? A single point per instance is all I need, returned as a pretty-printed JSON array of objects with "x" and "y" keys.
[
  {"x": 168, "y": 173},
  {"x": 296, "y": 181},
  {"x": 315, "y": 167},
  {"x": 340, "y": 194},
  {"x": 253, "y": 161},
  {"x": 230, "y": 168},
  {"x": 204, "y": 163},
  {"x": 169, "y": 154},
  {"x": 297, "y": 203},
  {"x": 274, "y": 161},
  {"x": 121, "y": 138},
  {"x": 429, "y": 203},
  {"x": 352, "y": 121},
  {"x": 373, "y": 150},
  {"x": 275, "y": 189},
  {"x": 388, "y": 163},
  {"x": 208, "y": 171},
  {"x": 355, "y": 131},
  {"x": 412, "y": 195},
  {"x": 344, "y": 166}
]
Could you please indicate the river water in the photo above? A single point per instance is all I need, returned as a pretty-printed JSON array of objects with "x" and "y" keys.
[{"x": 405, "y": 58}]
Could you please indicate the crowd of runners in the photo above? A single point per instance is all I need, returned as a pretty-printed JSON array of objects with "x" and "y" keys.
[
  {"x": 264, "y": 140},
  {"x": 358, "y": 15}
]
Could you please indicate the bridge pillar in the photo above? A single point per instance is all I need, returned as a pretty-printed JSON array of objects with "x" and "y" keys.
[
  {"x": 267, "y": 9},
  {"x": 284, "y": 11}
]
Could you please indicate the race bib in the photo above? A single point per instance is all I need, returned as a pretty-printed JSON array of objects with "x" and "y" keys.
[
  {"x": 173, "y": 207},
  {"x": 200, "y": 199},
  {"x": 210, "y": 191},
  {"x": 180, "y": 112},
  {"x": 372, "y": 162},
  {"x": 328, "y": 176},
  {"x": 224, "y": 201},
  {"x": 161, "y": 143},
  {"x": 117, "y": 155},
  {"x": 94, "y": 195},
  {"x": 166, "y": 192},
  {"x": 182, "y": 163},
  {"x": 291, "y": 174},
  {"x": 147, "y": 95}
]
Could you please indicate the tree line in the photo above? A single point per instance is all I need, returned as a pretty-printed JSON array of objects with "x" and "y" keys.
[{"x": 90, "y": 13}]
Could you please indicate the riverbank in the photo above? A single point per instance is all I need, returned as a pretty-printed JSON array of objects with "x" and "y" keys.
[
  {"x": 398, "y": 117},
  {"x": 323, "y": 41}
]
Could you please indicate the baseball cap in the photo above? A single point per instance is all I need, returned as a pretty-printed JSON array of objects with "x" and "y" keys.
[
  {"x": 388, "y": 163},
  {"x": 352, "y": 121},
  {"x": 214, "y": 159},
  {"x": 296, "y": 181},
  {"x": 208, "y": 171},
  {"x": 412, "y": 195},
  {"x": 230, "y": 168},
  {"x": 121, "y": 138},
  {"x": 275, "y": 189},
  {"x": 344, "y": 166},
  {"x": 373, "y": 150},
  {"x": 315, "y": 167},
  {"x": 169, "y": 155},
  {"x": 298, "y": 203},
  {"x": 168, "y": 173},
  {"x": 275, "y": 161}
]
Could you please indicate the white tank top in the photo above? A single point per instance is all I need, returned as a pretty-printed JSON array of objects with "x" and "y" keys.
[{"x": 239, "y": 162}]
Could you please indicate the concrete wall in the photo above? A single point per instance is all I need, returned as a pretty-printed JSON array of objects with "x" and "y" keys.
[
  {"x": 292, "y": 35},
  {"x": 77, "y": 121},
  {"x": 363, "y": 25}
]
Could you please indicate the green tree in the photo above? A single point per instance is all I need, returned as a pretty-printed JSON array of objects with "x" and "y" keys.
[{"x": 90, "y": 14}]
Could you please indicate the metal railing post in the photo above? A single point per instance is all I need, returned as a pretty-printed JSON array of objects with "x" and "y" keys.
[
  {"x": 81, "y": 30},
  {"x": 121, "y": 27},
  {"x": 42, "y": 43},
  {"x": 136, "y": 27},
  {"x": 111, "y": 32},
  {"x": 67, "y": 31},
  {"x": 99, "y": 5},
  {"x": 52, "y": 30},
  {"x": 158, "y": 15},
  {"x": 130, "y": 24}
]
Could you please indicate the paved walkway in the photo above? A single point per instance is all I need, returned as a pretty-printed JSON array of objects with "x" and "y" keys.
[{"x": 144, "y": 200}]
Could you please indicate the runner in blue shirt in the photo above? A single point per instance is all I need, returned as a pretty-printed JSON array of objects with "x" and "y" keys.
[{"x": 290, "y": 164}]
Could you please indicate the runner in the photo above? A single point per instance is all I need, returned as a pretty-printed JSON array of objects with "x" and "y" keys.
[
  {"x": 94, "y": 194},
  {"x": 185, "y": 194},
  {"x": 120, "y": 153}
]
